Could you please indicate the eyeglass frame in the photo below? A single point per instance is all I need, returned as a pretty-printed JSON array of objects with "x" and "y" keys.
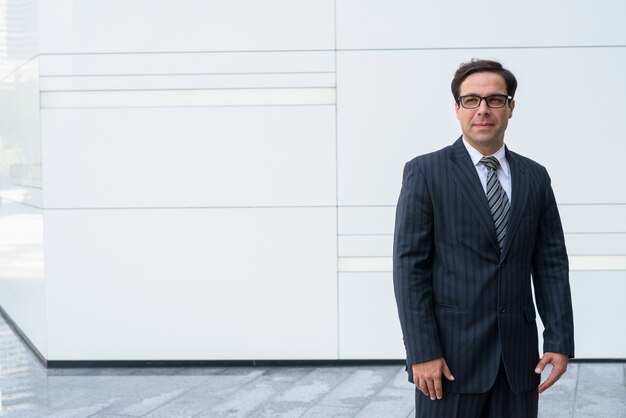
[{"x": 460, "y": 98}]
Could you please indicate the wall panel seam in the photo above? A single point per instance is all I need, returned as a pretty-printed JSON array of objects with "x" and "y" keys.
[
  {"x": 184, "y": 74},
  {"x": 189, "y": 207},
  {"x": 463, "y": 48},
  {"x": 450, "y": 48}
]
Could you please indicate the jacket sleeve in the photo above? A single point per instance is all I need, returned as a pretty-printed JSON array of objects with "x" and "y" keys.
[
  {"x": 551, "y": 279},
  {"x": 412, "y": 272}
]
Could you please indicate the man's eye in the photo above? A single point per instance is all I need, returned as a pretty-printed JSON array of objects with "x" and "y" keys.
[{"x": 496, "y": 101}]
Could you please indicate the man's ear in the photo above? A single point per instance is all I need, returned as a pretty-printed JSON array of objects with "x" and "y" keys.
[
  {"x": 511, "y": 107},
  {"x": 456, "y": 109}
]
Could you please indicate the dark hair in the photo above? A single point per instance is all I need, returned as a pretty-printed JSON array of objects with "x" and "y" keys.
[{"x": 482, "y": 66}]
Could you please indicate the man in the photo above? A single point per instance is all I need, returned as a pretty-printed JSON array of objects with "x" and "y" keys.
[{"x": 470, "y": 234}]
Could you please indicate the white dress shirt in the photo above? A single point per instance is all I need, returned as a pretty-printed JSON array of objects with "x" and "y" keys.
[{"x": 504, "y": 171}]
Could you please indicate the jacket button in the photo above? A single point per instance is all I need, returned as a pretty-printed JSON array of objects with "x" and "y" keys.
[{"x": 503, "y": 310}]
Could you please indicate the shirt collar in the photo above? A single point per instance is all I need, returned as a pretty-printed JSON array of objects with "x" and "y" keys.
[{"x": 500, "y": 154}]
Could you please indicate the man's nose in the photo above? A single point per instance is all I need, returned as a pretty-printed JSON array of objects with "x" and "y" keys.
[{"x": 483, "y": 108}]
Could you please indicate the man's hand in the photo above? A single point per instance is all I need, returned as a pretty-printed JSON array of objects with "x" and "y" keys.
[
  {"x": 427, "y": 377},
  {"x": 559, "y": 366}
]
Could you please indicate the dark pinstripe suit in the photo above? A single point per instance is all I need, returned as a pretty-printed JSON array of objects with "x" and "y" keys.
[{"x": 457, "y": 295}]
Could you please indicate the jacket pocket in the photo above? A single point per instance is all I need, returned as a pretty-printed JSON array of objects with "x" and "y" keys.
[{"x": 448, "y": 307}]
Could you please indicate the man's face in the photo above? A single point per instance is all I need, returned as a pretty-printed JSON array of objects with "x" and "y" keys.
[{"x": 484, "y": 127}]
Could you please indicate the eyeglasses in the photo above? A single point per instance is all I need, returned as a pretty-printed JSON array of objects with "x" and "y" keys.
[{"x": 472, "y": 101}]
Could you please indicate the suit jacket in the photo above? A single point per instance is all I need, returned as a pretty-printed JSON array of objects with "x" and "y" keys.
[{"x": 458, "y": 296}]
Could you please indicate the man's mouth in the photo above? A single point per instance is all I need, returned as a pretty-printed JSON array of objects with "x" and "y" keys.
[{"x": 483, "y": 124}]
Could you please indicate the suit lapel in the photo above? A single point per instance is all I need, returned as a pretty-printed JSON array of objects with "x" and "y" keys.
[
  {"x": 519, "y": 192},
  {"x": 464, "y": 173}
]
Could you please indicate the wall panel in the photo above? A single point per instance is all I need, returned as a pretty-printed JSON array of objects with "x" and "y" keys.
[
  {"x": 368, "y": 319},
  {"x": 365, "y": 245},
  {"x": 372, "y": 220},
  {"x": 178, "y": 284},
  {"x": 598, "y": 299},
  {"x": 189, "y": 157},
  {"x": 73, "y": 26},
  {"x": 487, "y": 23},
  {"x": 394, "y": 105},
  {"x": 186, "y": 63},
  {"x": 592, "y": 219},
  {"x": 596, "y": 244}
]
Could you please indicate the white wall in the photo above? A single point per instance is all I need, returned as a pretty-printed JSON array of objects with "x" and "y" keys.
[
  {"x": 395, "y": 62},
  {"x": 196, "y": 216},
  {"x": 220, "y": 178},
  {"x": 22, "y": 286}
]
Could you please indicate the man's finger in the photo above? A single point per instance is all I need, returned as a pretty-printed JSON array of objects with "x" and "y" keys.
[
  {"x": 438, "y": 389},
  {"x": 422, "y": 386},
  {"x": 542, "y": 364},
  {"x": 418, "y": 385},
  {"x": 446, "y": 371},
  {"x": 431, "y": 389},
  {"x": 554, "y": 376}
]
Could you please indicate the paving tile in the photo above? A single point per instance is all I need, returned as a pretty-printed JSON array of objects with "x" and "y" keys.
[
  {"x": 243, "y": 371},
  {"x": 23, "y": 401},
  {"x": 90, "y": 371},
  {"x": 197, "y": 371},
  {"x": 22, "y": 378},
  {"x": 397, "y": 399},
  {"x": 356, "y": 390},
  {"x": 247, "y": 399},
  {"x": 122, "y": 395},
  {"x": 389, "y": 403},
  {"x": 299, "y": 397},
  {"x": 556, "y": 408},
  {"x": 606, "y": 402},
  {"x": 176, "y": 371},
  {"x": 206, "y": 395},
  {"x": 243, "y": 402},
  {"x": 322, "y": 411},
  {"x": 23, "y": 411},
  {"x": 183, "y": 406},
  {"x": 287, "y": 374},
  {"x": 601, "y": 391},
  {"x": 222, "y": 385},
  {"x": 316, "y": 384},
  {"x": 280, "y": 411},
  {"x": 78, "y": 412},
  {"x": 590, "y": 374}
]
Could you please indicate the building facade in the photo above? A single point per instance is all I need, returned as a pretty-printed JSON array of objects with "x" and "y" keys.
[{"x": 199, "y": 180}]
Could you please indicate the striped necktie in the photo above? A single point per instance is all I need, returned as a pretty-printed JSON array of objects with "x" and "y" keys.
[{"x": 498, "y": 200}]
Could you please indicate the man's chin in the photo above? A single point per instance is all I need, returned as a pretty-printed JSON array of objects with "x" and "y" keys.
[
  {"x": 482, "y": 140},
  {"x": 485, "y": 143}
]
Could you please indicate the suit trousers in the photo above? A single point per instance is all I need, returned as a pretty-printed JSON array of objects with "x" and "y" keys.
[{"x": 497, "y": 402}]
